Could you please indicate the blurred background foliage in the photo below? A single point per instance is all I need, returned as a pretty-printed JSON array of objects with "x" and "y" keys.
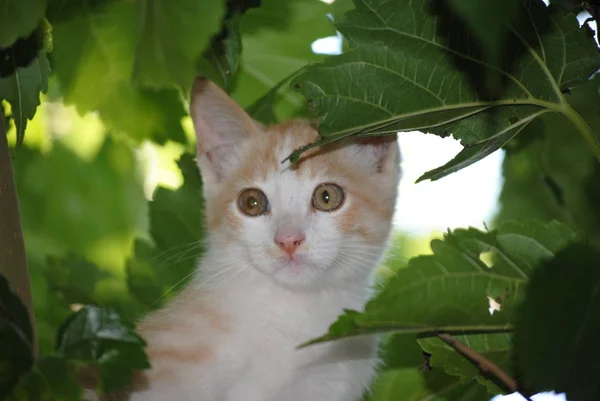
[{"x": 108, "y": 188}]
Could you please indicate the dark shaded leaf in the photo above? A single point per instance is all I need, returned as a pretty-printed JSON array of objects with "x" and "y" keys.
[
  {"x": 549, "y": 172},
  {"x": 24, "y": 51},
  {"x": 52, "y": 378},
  {"x": 488, "y": 22},
  {"x": 16, "y": 351},
  {"x": 99, "y": 336},
  {"x": 220, "y": 61},
  {"x": 18, "y": 19},
  {"x": 558, "y": 326}
]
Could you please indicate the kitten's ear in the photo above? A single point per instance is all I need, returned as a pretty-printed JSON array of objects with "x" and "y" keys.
[
  {"x": 380, "y": 153},
  {"x": 221, "y": 125}
]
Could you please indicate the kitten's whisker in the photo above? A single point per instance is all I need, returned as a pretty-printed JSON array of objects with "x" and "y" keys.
[
  {"x": 223, "y": 270},
  {"x": 242, "y": 269},
  {"x": 182, "y": 247},
  {"x": 172, "y": 288},
  {"x": 175, "y": 258}
]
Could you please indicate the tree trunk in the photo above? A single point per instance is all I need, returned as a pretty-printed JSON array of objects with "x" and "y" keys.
[{"x": 13, "y": 263}]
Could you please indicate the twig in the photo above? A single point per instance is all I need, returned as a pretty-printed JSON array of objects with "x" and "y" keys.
[
  {"x": 483, "y": 364},
  {"x": 13, "y": 263}
]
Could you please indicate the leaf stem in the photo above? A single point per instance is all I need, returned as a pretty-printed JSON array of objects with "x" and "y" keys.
[
  {"x": 483, "y": 364},
  {"x": 584, "y": 129}
]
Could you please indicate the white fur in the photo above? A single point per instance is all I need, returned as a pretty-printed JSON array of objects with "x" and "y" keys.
[
  {"x": 275, "y": 308},
  {"x": 270, "y": 305}
]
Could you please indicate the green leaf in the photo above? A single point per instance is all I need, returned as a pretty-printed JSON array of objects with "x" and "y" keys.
[
  {"x": 221, "y": 60},
  {"x": 16, "y": 337},
  {"x": 144, "y": 274},
  {"x": 99, "y": 336},
  {"x": 18, "y": 19},
  {"x": 411, "y": 384},
  {"x": 176, "y": 216},
  {"x": 99, "y": 42},
  {"x": 451, "y": 289},
  {"x": 176, "y": 227},
  {"x": 473, "y": 153},
  {"x": 52, "y": 378},
  {"x": 489, "y": 23},
  {"x": 495, "y": 348},
  {"x": 412, "y": 78},
  {"x": 22, "y": 91},
  {"x": 404, "y": 376},
  {"x": 277, "y": 39},
  {"x": 263, "y": 110},
  {"x": 558, "y": 324},
  {"x": 549, "y": 173},
  {"x": 172, "y": 37},
  {"x": 24, "y": 51}
]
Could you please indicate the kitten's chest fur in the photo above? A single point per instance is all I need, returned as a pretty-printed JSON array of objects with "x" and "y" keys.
[{"x": 252, "y": 354}]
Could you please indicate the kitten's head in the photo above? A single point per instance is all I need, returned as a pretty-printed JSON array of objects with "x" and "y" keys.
[{"x": 317, "y": 223}]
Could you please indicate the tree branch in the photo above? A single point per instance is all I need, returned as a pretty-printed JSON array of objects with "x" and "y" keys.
[
  {"x": 489, "y": 368},
  {"x": 13, "y": 263}
]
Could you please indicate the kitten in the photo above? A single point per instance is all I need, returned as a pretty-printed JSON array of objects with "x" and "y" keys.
[{"x": 289, "y": 247}]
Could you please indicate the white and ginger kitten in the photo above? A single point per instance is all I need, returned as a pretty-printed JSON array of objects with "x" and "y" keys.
[{"x": 289, "y": 247}]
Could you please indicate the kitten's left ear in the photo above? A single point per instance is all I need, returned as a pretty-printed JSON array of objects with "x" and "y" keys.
[
  {"x": 221, "y": 125},
  {"x": 380, "y": 153}
]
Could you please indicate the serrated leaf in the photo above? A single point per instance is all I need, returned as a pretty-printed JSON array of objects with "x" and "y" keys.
[
  {"x": 409, "y": 79},
  {"x": 403, "y": 376},
  {"x": 19, "y": 18},
  {"x": 172, "y": 36},
  {"x": 16, "y": 336},
  {"x": 473, "y": 153},
  {"x": 450, "y": 290},
  {"x": 102, "y": 47},
  {"x": 495, "y": 348},
  {"x": 22, "y": 90},
  {"x": 99, "y": 336},
  {"x": 558, "y": 325}
]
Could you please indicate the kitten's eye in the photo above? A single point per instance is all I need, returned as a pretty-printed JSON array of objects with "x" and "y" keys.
[
  {"x": 253, "y": 202},
  {"x": 328, "y": 197}
]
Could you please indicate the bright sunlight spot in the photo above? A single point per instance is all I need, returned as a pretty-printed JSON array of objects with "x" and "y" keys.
[{"x": 537, "y": 397}]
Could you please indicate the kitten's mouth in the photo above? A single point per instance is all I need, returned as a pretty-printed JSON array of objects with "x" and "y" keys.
[{"x": 295, "y": 262}]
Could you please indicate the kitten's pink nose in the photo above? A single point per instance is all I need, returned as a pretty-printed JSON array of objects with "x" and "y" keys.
[{"x": 289, "y": 240}]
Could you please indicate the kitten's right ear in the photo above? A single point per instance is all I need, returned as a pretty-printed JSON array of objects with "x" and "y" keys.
[{"x": 220, "y": 125}]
